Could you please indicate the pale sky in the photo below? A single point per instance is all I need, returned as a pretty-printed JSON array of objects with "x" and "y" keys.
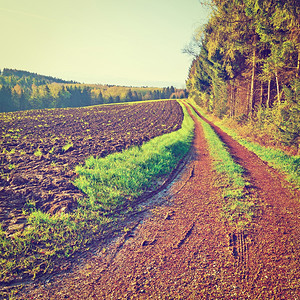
[{"x": 122, "y": 42}]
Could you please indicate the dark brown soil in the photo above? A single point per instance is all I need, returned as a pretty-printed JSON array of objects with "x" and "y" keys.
[
  {"x": 46, "y": 179},
  {"x": 185, "y": 249}
]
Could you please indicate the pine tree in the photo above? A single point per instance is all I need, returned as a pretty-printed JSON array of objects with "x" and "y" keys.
[
  {"x": 99, "y": 98},
  {"x": 6, "y": 102}
]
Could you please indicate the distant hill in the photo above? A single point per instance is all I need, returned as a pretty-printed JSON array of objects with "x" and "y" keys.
[
  {"x": 22, "y": 90},
  {"x": 26, "y": 79}
]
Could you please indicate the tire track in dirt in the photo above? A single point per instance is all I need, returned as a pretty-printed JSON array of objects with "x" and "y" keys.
[
  {"x": 270, "y": 268},
  {"x": 185, "y": 250}
]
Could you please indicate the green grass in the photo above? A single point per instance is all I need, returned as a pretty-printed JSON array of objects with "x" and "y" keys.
[
  {"x": 286, "y": 164},
  {"x": 238, "y": 208},
  {"x": 278, "y": 159},
  {"x": 118, "y": 178},
  {"x": 112, "y": 185}
]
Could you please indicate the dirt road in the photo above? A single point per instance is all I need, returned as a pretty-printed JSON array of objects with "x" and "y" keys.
[{"x": 185, "y": 249}]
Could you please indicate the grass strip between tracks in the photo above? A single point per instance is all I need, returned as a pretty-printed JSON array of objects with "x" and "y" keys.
[
  {"x": 112, "y": 185},
  {"x": 238, "y": 209},
  {"x": 278, "y": 159}
]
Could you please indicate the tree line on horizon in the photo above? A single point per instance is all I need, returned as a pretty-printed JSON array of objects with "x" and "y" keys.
[
  {"x": 22, "y": 90},
  {"x": 247, "y": 65}
]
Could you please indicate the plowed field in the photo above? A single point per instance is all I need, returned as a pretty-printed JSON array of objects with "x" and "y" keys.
[{"x": 40, "y": 148}]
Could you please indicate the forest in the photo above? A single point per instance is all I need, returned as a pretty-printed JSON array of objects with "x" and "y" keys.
[
  {"x": 246, "y": 68},
  {"x": 22, "y": 90}
]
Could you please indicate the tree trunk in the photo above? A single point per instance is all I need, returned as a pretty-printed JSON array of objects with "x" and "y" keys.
[
  {"x": 233, "y": 98},
  {"x": 277, "y": 85},
  {"x": 252, "y": 88},
  {"x": 261, "y": 94},
  {"x": 248, "y": 98},
  {"x": 232, "y": 104},
  {"x": 298, "y": 65},
  {"x": 269, "y": 94}
]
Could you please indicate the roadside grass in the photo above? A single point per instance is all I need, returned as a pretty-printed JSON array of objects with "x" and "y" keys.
[
  {"x": 286, "y": 164},
  {"x": 278, "y": 159},
  {"x": 238, "y": 208},
  {"x": 112, "y": 185}
]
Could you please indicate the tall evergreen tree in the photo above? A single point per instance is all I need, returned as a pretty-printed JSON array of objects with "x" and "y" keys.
[{"x": 6, "y": 102}]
